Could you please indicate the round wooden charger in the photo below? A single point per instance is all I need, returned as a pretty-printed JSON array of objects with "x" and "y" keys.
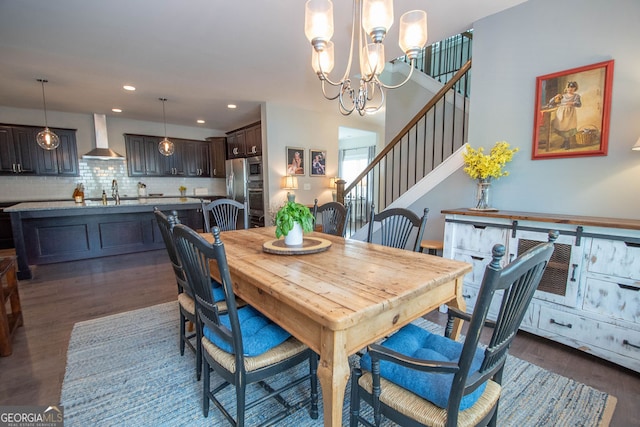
[{"x": 310, "y": 245}]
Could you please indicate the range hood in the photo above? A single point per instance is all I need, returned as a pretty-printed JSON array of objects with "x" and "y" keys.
[{"x": 102, "y": 150}]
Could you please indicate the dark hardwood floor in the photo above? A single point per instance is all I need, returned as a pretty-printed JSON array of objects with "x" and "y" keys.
[{"x": 62, "y": 294}]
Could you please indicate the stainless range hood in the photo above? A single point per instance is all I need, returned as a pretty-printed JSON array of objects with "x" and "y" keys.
[{"x": 102, "y": 150}]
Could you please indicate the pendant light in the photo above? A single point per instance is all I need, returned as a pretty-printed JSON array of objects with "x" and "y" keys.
[
  {"x": 45, "y": 138},
  {"x": 165, "y": 146}
]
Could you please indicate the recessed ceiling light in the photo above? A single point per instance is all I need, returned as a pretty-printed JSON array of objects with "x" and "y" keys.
[
  {"x": 129, "y": 87},
  {"x": 232, "y": 106},
  {"x": 116, "y": 110},
  {"x": 200, "y": 121}
]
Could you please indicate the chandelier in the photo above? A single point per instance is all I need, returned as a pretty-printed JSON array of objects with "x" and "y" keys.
[
  {"x": 166, "y": 147},
  {"x": 371, "y": 19},
  {"x": 45, "y": 138}
]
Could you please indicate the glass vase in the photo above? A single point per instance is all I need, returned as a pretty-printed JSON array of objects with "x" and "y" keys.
[{"x": 482, "y": 196}]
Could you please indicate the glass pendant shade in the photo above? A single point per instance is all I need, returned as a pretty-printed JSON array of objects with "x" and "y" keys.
[
  {"x": 372, "y": 60},
  {"x": 166, "y": 147},
  {"x": 413, "y": 31},
  {"x": 318, "y": 20},
  {"x": 377, "y": 18},
  {"x": 45, "y": 138},
  {"x": 322, "y": 62}
]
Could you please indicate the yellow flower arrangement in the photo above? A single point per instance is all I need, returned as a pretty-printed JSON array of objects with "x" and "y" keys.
[{"x": 484, "y": 166}]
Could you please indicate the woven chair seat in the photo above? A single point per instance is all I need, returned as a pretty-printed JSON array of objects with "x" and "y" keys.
[
  {"x": 187, "y": 303},
  {"x": 426, "y": 412},
  {"x": 287, "y": 349}
]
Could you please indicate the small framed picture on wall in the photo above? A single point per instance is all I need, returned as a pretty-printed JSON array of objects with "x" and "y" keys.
[
  {"x": 317, "y": 158},
  {"x": 295, "y": 161}
]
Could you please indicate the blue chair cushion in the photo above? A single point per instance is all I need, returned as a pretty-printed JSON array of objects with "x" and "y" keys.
[
  {"x": 216, "y": 291},
  {"x": 259, "y": 334},
  {"x": 419, "y": 343}
]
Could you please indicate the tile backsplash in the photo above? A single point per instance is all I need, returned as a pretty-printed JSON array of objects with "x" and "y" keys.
[{"x": 97, "y": 175}]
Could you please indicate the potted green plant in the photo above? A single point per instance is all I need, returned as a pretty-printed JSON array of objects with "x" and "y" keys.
[{"x": 291, "y": 221}]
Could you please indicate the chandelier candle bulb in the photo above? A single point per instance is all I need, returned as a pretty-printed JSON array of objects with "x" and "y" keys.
[
  {"x": 413, "y": 32},
  {"x": 377, "y": 18},
  {"x": 318, "y": 23},
  {"x": 322, "y": 61}
]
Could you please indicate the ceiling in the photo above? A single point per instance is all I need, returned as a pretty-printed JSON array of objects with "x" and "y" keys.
[{"x": 199, "y": 54}]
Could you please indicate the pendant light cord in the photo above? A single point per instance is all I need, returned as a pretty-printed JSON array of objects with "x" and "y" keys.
[
  {"x": 164, "y": 118},
  {"x": 44, "y": 102}
]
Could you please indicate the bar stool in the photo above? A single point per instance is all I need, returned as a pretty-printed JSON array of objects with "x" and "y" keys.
[
  {"x": 9, "y": 322},
  {"x": 432, "y": 246}
]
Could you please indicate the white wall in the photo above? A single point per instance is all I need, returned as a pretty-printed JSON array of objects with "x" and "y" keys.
[
  {"x": 290, "y": 126},
  {"x": 512, "y": 48}
]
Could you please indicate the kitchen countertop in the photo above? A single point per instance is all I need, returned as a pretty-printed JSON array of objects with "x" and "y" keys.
[{"x": 93, "y": 204}]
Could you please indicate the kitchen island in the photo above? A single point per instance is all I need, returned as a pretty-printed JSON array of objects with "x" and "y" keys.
[{"x": 58, "y": 231}]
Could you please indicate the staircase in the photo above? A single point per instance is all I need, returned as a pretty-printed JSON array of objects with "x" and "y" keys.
[{"x": 426, "y": 150}]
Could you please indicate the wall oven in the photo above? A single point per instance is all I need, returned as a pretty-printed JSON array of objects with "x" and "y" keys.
[
  {"x": 255, "y": 191},
  {"x": 255, "y": 194}
]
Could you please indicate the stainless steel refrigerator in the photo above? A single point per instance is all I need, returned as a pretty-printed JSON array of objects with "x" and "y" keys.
[
  {"x": 237, "y": 178},
  {"x": 244, "y": 182}
]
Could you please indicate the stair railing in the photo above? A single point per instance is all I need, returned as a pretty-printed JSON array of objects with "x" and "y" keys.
[{"x": 434, "y": 133}]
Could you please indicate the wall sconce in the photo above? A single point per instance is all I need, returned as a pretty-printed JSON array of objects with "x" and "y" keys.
[
  {"x": 333, "y": 185},
  {"x": 637, "y": 146},
  {"x": 290, "y": 182}
]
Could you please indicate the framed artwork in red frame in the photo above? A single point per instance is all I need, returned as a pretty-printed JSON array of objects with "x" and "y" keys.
[{"x": 572, "y": 112}]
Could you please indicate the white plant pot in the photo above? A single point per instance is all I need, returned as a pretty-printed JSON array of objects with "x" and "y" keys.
[{"x": 294, "y": 237}]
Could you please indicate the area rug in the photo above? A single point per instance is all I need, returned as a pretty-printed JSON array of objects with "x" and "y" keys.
[{"x": 126, "y": 370}]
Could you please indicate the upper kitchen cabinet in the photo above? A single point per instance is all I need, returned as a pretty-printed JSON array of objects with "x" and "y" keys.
[
  {"x": 196, "y": 156},
  {"x": 245, "y": 142},
  {"x": 143, "y": 157},
  {"x": 191, "y": 157},
  {"x": 17, "y": 155},
  {"x": 235, "y": 145},
  {"x": 173, "y": 165},
  {"x": 218, "y": 156},
  {"x": 253, "y": 140},
  {"x": 20, "y": 153},
  {"x": 64, "y": 159}
]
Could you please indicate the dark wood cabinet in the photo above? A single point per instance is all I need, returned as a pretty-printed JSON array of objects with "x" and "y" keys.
[
  {"x": 245, "y": 142},
  {"x": 235, "y": 145},
  {"x": 218, "y": 156},
  {"x": 173, "y": 165},
  {"x": 20, "y": 153},
  {"x": 61, "y": 161},
  {"x": 197, "y": 160},
  {"x": 17, "y": 155},
  {"x": 143, "y": 157},
  {"x": 191, "y": 157},
  {"x": 253, "y": 141}
]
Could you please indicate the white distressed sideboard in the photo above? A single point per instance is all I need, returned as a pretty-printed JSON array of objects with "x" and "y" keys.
[{"x": 589, "y": 296}]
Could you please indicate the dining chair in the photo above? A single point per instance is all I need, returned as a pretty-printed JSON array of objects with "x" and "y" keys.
[
  {"x": 185, "y": 295},
  {"x": 431, "y": 380},
  {"x": 224, "y": 213},
  {"x": 334, "y": 216},
  {"x": 186, "y": 302},
  {"x": 397, "y": 227},
  {"x": 242, "y": 346}
]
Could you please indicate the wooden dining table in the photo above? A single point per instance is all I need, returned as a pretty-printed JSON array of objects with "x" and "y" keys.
[{"x": 341, "y": 299}]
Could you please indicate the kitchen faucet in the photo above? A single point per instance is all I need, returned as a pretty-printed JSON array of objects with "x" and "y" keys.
[{"x": 114, "y": 191}]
